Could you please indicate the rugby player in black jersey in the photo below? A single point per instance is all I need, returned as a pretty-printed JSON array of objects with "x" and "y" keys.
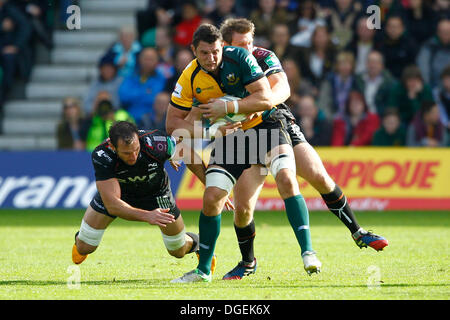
[
  {"x": 239, "y": 33},
  {"x": 132, "y": 184}
]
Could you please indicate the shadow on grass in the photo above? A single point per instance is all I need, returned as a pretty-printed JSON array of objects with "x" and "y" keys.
[
  {"x": 154, "y": 283},
  {"x": 144, "y": 283},
  {"x": 70, "y": 217}
]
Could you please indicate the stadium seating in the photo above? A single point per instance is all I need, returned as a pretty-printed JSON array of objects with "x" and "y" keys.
[{"x": 30, "y": 122}]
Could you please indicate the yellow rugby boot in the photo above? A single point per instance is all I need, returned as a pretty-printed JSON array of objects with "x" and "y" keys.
[
  {"x": 77, "y": 258},
  {"x": 213, "y": 262}
]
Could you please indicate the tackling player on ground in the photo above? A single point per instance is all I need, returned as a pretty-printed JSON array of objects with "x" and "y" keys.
[
  {"x": 239, "y": 33},
  {"x": 132, "y": 184}
]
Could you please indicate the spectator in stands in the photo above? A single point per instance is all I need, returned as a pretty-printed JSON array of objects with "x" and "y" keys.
[
  {"x": 190, "y": 20},
  {"x": 305, "y": 23},
  {"x": 441, "y": 9},
  {"x": 279, "y": 39},
  {"x": 297, "y": 84},
  {"x": 265, "y": 17},
  {"x": 398, "y": 48},
  {"x": 441, "y": 95},
  {"x": 125, "y": 51},
  {"x": 138, "y": 91},
  {"x": 164, "y": 44},
  {"x": 342, "y": 21},
  {"x": 318, "y": 60},
  {"x": 391, "y": 132},
  {"x": 99, "y": 124},
  {"x": 182, "y": 59},
  {"x": 159, "y": 13},
  {"x": 389, "y": 8},
  {"x": 36, "y": 12},
  {"x": 72, "y": 129},
  {"x": 408, "y": 94},
  {"x": 426, "y": 129},
  {"x": 362, "y": 43},
  {"x": 376, "y": 83},
  {"x": 434, "y": 55},
  {"x": 14, "y": 40},
  {"x": 316, "y": 127},
  {"x": 356, "y": 126},
  {"x": 334, "y": 90},
  {"x": 106, "y": 81},
  {"x": 157, "y": 118},
  {"x": 419, "y": 20},
  {"x": 224, "y": 9},
  {"x": 166, "y": 51}
]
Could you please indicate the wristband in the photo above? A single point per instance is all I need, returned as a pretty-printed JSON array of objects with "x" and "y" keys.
[{"x": 236, "y": 106}]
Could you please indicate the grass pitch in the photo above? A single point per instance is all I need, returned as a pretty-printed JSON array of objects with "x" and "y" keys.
[{"x": 132, "y": 263}]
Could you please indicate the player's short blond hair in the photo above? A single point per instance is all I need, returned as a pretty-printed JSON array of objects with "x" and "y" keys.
[{"x": 239, "y": 25}]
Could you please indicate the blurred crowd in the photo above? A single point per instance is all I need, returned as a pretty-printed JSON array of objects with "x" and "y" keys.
[
  {"x": 23, "y": 25},
  {"x": 350, "y": 84}
]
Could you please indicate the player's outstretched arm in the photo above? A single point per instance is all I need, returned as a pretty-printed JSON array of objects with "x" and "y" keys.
[{"x": 110, "y": 193}]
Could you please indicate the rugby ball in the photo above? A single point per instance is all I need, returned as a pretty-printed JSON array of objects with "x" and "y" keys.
[{"x": 230, "y": 117}]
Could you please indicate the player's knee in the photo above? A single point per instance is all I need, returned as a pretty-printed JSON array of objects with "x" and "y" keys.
[
  {"x": 286, "y": 183},
  {"x": 283, "y": 169},
  {"x": 175, "y": 244},
  {"x": 243, "y": 214},
  {"x": 88, "y": 238},
  {"x": 213, "y": 200},
  {"x": 320, "y": 180}
]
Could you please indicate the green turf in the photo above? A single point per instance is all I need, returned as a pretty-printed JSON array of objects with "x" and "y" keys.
[{"x": 131, "y": 262}]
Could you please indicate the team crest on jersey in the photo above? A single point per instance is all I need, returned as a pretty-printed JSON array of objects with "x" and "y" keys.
[{"x": 232, "y": 80}]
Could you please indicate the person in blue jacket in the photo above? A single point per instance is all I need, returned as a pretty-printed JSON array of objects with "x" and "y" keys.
[{"x": 138, "y": 91}]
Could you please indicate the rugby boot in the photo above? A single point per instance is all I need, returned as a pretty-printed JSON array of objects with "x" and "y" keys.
[
  {"x": 193, "y": 276},
  {"x": 364, "y": 239},
  {"x": 213, "y": 261},
  {"x": 77, "y": 258},
  {"x": 311, "y": 263},
  {"x": 241, "y": 270}
]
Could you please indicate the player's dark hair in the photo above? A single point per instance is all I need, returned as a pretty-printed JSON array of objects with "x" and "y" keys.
[
  {"x": 426, "y": 106},
  {"x": 232, "y": 25},
  {"x": 207, "y": 33},
  {"x": 123, "y": 130},
  {"x": 411, "y": 72},
  {"x": 391, "y": 111}
]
